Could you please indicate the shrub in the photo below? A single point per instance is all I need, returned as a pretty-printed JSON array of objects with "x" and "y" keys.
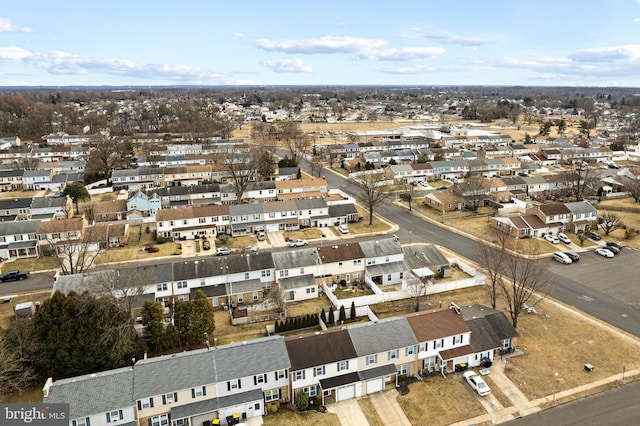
[
  {"x": 161, "y": 240},
  {"x": 302, "y": 401},
  {"x": 151, "y": 249}
]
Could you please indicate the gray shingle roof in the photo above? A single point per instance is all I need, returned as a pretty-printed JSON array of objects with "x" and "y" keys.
[
  {"x": 248, "y": 358},
  {"x": 380, "y": 336},
  {"x": 302, "y": 281},
  {"x": 381, "y": 247},
  {"x": 297, "y": 258},
  {"x": 94, "y": 393},
  {"x": 489, "y": 327}
]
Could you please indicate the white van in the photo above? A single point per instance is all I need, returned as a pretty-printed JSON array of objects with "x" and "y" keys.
[
  {"x": 562, "y": 258},
  {"x": 343, "y": 229}
]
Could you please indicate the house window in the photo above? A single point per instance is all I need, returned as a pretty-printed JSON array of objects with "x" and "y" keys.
[
  {"x": 272, "y": 395},
  {"x": 422, "y": 347},
  {"x": 161, "y": 287},
  {"x": 301, "y": 271},
  {"x": 80, "y": 421},
  {"x": 162, "y": 420},
  {"x": 202, "y": 220},
  {"x": 114, "y": 416},
  {"x": 256, "y": 296},
  {"x": 457, "y": 339},
  {"x": 298, "y": 375},
  {"x": 392, "y": 354},
  {"x": 214, "y": 301},
  {"x": 343, "y": 365},
  {"x": 403, "y": 369},
  {"x": 311, "y": 391},
  {"x": 266, "y": 273},
  {"x": 262, "y": 378},
  {"x": 281, "y": 374},
  {"x": 183, "y": 297},
  {"x": 246, "y": 275},
  {"x": 318, "y": 371},
  {"x": 240, "y": 298},
  {"x": 182, "y": 284},
  {"x": 372, "y": 359},
  {"x": 145, "y": 403},
  {"x": 198, "y": 392},
  {"x": 357, "y": 262},
  {"x": 169, "y": 398},
  {"x": 311, "y": 290},
  {"x": 284, "y": 273},
  {"x": 410, "y": 350},
  {"x": 340, "y": 265},
  {"x": 438, "y": 343}
]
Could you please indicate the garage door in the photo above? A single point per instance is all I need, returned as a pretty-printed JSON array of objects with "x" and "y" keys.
[
  {"x": 375, "y": 385},
  {"x": 346, "y": 392},
  {"x": 272, "y": 228}
]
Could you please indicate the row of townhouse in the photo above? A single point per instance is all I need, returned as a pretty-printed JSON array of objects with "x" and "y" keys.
[
  {"x": 243, "y": 279},
  {"x": 535, "y": 221},
  {"x": 53, "y": 154},
  {"x": 499, "y": 190},
  {"x": 30, "y": 237},
  {"x": 40, "y": 208},
  {"x": 143, "y": 178},
  {"x": 220, "y": 384},
  {"x": 39, "y": 179},
  {"x": 245, "y": 219},
  {"x": 450, "y": 169}
]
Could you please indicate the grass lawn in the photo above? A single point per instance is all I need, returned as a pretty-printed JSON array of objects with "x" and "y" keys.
[
  {"x": 304, "y": 234},
  {"x": 346, "y": 292},
  {"x": 370, "y": 412},
  {"x": 133, "y": 250},
  {"x": 19, "y": 194},
  {"x": 287, "y": 416},
  {"x": 437, "y": 401},
  {"x": 30, "y": 264}
]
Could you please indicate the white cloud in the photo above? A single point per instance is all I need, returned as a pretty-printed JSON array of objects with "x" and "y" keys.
[
  {"x": 288, "y": 66},
  {"x": 58, "y": 62},
  {"x": 7, "y": 25},
  {"x": 238, "y": 34},
  {"x": 636, "y": 20},
  {"x": 629, "y": 52},
  {"x": 328, "y": 44},
  {"x": 446, "y": 38},
  {"x": 402, "y": 54}
]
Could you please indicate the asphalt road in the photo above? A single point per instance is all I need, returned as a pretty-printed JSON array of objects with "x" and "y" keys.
[
  {"x": 35, "y": 282},
  {"x": 618, "y": 406}
]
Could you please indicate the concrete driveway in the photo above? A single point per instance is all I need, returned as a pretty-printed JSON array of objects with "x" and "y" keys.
[
  {"x": 348, "y": 412},
  {"x": 388, "y": 409}
]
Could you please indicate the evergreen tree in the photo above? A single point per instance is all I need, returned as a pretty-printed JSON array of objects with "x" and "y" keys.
[
  {"x": 331, "y": 319},
  {"x": 352, "y": 316},
  {"x": 153, "y": 323},
  {"x": 342, "y": 316},
  {"x": 323, "y": 316}
]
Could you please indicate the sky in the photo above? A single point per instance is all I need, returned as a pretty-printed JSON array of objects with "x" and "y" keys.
[{"x": 348, "y": 42}]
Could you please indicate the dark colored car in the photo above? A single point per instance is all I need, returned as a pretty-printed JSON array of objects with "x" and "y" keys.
[
  {"x": 613, "y": 249},
  {"x": 593, "y": 235},
  {"x": 572, "y": 255},
  {"x": 614, "y": 244}
]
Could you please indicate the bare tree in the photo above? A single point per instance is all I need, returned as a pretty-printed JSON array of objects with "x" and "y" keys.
[
  {"x": 15, "y": 370},
  {"x": 525, "y": 284},
  {"x": 296, "y": 142},
  {"x": 372, "y": 189},
  {"x": 609, "y": 222},
  {"x": 72, "y": 244},
  {"x": 493, "y": 260},
  {"x": 106, "y": 155},
  {"x": 416, "y": 289},
  {"x": 276, "y": 297},
  {"x": 582, "y": 178},
  {"x": 316, "y": 163},
  {"x": 475, "y": 191},
  {"x": 408, "y": 195},
  {"x": 243, "y": 168},
  {"x": 124, "y": 287},
  {"x": 632, "y": 185}
]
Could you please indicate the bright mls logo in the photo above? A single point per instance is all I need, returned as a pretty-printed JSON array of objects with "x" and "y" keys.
[{"x": 34, "y": 414}]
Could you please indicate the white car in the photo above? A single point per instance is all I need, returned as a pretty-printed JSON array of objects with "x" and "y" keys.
[
  {"x": 477, "y": 383},
  {"x": 552, "y": 238},
  {"x": 564, "y": 238},
  {"x": 604, "y": 252},
  {"x": 298, "y": 243},
  {"x": 344, "y": 229}
]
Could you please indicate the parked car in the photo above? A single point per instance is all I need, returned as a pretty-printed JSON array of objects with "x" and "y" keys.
[
  {"x": 551, "y": 238},
  {"x": 223, "y": 251},
  {"x": 14, "y": 276},
  {"x": 261, "y": 236},
  {"x": 562, "y": 258},
  {"x": 573, "y": 256},
  {"x": 593, "y": 235},
  {"x": 206, "y": 245},
  {"x": 298, "y": 243},
  {"x": 249, "y": 249},
  {"x": 613, "y": 249},
  {"x": 477, "y": 383},
  {"x": 604, "y": 252},
  {"x": 614, "y": 244},
  {"x": 562, "y": 237},
  {"x": 344, "y": 229}
]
